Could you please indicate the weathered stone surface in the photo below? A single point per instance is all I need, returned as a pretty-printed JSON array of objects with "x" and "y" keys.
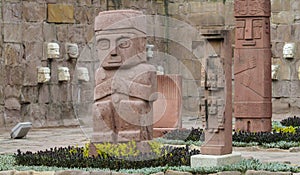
[
  {"x": 31, "y": 73},
  {"x": 60, "y": 13},
  {"x": 160, "y": 173},
  {"x": 280, "y": 5},
  {"x": 10, "y": 172},
  {"x": 36, "y": 113},
  {"x": 32, "y": 32},
  {"x": 295, "y": 32},
  {"x": 12, "y": 91},
  {"x": 12, "y": 104},
  {"x": 253, "y": 172},
  {"x": 201, "y": 160},
  {"x": 72, "y": 172},
  {"x": 54, "y": 117},
  {"x": 16, "y": 75},
  {"x": 100, "y": 173},
  {"x": 13, "y": 54},
  {"x": 295, "y": 89},
  {"x": 227, "y": 173},
  {"x": 44, "y": 94},
  {"x": 34, "y": 12},
  {"x": 2, "y": 118},
  {"x": 1, "y": 95},
  {"x": 12, "y": 32},
  {"x": 283, "y": 17},
  {"x": 49, "y": 32},
  {"x": 280, "y": 106},
  {"x": 89, "y": 33},
  {"x": 75, "y": 33},
  {"x": 29, "y": 94},
  {"x": 12, "y": 12},
  {"x": 294, "y": 149},
  {"x": 172, "y": 172},
  {"x": 277, "y": 49},
  {"x": 34, "y": 51},
  {"x": 206, "y": 19},
  {"x": 62, "y": 32},
  {"x": 281, "y": 88},
  {"x": 283, "y": 33},
  {"x": 3, "y": 78}
]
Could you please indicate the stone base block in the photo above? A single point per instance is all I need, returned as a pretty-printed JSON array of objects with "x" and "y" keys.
[
  {"x": 213, "y": 160},
  {"x": 253, "y": 125}
]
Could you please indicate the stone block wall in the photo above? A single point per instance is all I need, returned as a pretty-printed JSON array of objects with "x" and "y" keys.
[
  {"x": 285, "y": 27},
  {"x": 27, "y": 25}
]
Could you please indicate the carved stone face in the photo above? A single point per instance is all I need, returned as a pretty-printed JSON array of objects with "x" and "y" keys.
[
  {"x": 275, "y": 69},
  {"x": 52, "y": 50},
  {"x": 120, "y": 48},
  {"x": 72, "y": 50},
  {"x": 252, "y": 32},
  {"x": 63, "y": 74},
  {"x": 289, "y": 50},
  {"x": 83, "y": 74},
  {"x": 43, "y": 74}
]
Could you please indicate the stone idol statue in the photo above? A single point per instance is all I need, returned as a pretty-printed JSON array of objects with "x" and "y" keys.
[{"x": 125, "y": 84}]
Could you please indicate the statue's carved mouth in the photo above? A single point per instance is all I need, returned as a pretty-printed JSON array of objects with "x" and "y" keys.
[{"x": 249, "y": 43}]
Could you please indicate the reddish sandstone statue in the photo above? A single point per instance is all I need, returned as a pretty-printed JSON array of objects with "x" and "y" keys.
[
  {"x": 124, "y": 83},
  {"x": 252, "y": 66}
]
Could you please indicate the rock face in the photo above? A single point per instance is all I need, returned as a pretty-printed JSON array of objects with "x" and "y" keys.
[
  {"x": 124, "y": 83},
  {"x": 252, "y": 66}
]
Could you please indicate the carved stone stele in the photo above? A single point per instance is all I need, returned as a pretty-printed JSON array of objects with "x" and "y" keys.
[
  {"x": 252, "y": 66},
  {"x": 124, "y": 83}
]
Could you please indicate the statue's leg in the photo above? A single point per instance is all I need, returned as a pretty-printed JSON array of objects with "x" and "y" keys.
[
  {"x": 103, "y": 122},
  {"x": 134, "y": 121}
]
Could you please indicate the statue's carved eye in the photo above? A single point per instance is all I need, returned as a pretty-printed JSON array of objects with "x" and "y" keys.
[
  {"x": 103, "y": 44},
  {"x": 124, "y": 43}
]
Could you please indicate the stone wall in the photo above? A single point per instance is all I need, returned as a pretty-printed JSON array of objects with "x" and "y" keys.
[{"x": 27, "y": 25}]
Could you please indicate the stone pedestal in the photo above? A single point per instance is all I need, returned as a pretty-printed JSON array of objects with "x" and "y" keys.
[
  {"x": 167, "y": 107},
  {"x": 214, "y": 160}
]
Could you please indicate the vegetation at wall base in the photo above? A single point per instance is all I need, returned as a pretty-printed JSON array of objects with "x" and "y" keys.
[
  {"x": 72, "y": 157},
  {"x": 291, "y": 121},
  {"x": 7, "y": 162},
  {"x": 193, "y": 134}
]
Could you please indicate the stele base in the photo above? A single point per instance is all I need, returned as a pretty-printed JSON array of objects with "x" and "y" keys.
[{"x": 215, "y": 160}]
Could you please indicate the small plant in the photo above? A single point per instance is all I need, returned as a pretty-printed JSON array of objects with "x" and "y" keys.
[
  {"x": 291, "y": 121},
  {"x": 185, "y": 135}
]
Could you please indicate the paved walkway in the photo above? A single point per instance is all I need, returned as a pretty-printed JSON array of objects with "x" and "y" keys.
[{"x": 45, "y": 138}]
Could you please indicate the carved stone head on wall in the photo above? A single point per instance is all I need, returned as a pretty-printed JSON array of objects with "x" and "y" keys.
[
  {"x": 72, "y": 50},
  {"x": 121, "y": 40},
  {"x": 52, "y": 50},
  {"x": 289, "y": 50},
  {"x": 63, "y": 74},
  {"x": 43, "y": 74}
]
